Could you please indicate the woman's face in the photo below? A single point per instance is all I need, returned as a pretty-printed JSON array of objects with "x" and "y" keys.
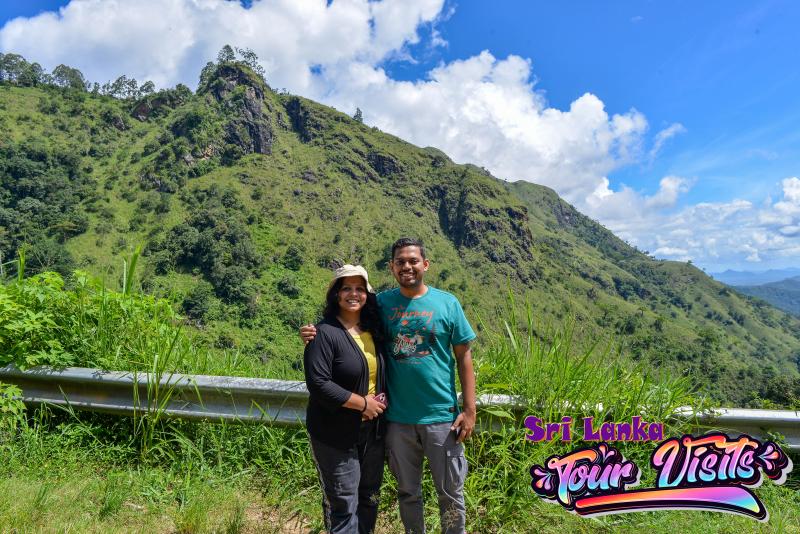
[{"x": 353, "y": 294}]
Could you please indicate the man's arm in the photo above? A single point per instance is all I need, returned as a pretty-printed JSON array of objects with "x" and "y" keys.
[
  {"x": 465, "y": 421},
  {"x": 308, "y": 333}
]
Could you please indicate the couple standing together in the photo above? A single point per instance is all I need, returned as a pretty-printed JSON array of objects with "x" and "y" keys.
[{"x": 381, "y": 376}]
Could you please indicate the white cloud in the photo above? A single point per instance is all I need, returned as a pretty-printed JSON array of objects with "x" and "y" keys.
[
  {"x": 791, "y": 194},
  {"x": 626, "y": 211},
  {"x": 663, "y": 136},
  {"x": 169, "y": 41},
  {"x": 670, "y": 251},
  {"x": 790, "y": 230},
  {"x": 670, "y": 188},
  {"x": 719, "y": 234}
]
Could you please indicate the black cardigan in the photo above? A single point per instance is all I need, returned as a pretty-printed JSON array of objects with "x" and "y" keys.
[{"x": 335, "y": 367}]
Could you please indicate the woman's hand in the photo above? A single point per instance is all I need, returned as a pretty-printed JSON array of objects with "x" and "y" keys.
[
  {"x": 374, "y": 408},
  {"x": 369, "y": 406}
]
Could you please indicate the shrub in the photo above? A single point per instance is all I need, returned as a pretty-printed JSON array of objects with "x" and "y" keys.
[
  {"x": 288, "y": 287},
  {"x": 12, "y": 409},
  {"x": 293, "y": 258},
  {"x": 198, "y": 302}
]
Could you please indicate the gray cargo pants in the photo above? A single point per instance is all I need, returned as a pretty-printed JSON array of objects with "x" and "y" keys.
[
  {"x": 351, "y": 481},
  {"x": 407, "y": 444}
]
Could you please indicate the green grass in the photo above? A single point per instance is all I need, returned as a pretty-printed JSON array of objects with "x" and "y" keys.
[{"x": 72, "y": 471}]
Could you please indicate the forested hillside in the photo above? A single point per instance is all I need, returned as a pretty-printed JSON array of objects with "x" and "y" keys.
[
  {"x": 784, "y": 294},
  {"x": 243, "y": 198}
]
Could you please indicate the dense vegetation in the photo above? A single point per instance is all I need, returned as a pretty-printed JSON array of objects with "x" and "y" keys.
[
  {"x": 243, "y": 199},
  {"x": 66, "y": 470}
]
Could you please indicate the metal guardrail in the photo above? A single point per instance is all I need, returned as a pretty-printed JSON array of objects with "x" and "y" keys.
[
  {"x": 772, "y": 424},
  {"x": 283, "y": 402},
  {"x": 193, "y": 397}
]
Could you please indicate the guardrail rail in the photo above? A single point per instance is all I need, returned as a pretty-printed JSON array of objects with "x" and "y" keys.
[{"x": 283, "y": 402}]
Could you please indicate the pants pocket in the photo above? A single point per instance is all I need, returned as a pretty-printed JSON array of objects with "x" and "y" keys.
[{"x": 456, "y": 468}]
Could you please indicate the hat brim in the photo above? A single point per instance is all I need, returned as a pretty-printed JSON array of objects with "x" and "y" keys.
[{"x": 370, "y": 289}]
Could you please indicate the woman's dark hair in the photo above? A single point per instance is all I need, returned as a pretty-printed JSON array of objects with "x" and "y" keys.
[{"x": 370, "y": 319}]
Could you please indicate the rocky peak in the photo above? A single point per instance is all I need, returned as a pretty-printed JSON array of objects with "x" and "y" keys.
[
  {"x": 226, "y": 77},
  {"x": 249, "y": 125}
]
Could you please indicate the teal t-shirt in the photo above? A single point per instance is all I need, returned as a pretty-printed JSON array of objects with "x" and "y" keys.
[{"x": 420, "y": 370}]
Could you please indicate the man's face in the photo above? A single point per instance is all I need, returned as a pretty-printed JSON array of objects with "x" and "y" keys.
[{"x": 408, "y": 266}]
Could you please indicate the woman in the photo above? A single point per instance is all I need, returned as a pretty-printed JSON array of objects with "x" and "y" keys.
[{"x": 344, "y": 374}]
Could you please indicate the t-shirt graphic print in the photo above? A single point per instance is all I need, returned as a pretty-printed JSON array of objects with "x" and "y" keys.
[{"x": 415, "y": 336}]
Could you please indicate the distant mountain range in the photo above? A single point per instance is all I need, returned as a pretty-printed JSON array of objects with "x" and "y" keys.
[
  {"x": 784, "y": 294},
  {"x": 754, "y": 278}
]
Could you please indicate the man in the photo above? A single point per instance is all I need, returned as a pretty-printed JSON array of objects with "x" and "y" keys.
[{"x": 422, "y": 324}]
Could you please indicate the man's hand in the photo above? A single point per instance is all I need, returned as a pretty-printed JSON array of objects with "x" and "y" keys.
[
  {"x": 465, "y": 422},
  {"x": 464, "y": 425},
  {"x": 308, "y": 333}
]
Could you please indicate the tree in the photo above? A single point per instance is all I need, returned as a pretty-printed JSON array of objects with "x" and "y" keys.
[
  {"x": 15, "y": 69},
  {"x": 293, "y": 259},
  {"x": 64, "y": 76},
  {"x": 182, "y": 93},
  {"x": 206, "y": 73},
  {"x": 198, "y": 301},
  {"x": 32, "y": 75},
  {"x": 358, "y": 117},
  {"x": 11, "y": 66},
  {"x": 250, "y": 59},
  {"x": 132, "y": 88},
  {"x": 147, "y": 88},
  {"x": 122, "y": 87},
  {"x": 226, "y": 55}
]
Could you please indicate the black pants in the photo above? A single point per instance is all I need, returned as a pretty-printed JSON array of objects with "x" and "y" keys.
[{"x": 351, "y": 481}]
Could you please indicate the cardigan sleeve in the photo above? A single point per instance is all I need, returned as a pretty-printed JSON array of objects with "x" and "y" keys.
[{"x": 318, "y": 365}]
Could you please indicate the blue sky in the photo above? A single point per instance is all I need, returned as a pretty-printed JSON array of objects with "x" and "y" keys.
[
  {"x": 725, "y": 70},
  {"x": 672, "y": 123}
]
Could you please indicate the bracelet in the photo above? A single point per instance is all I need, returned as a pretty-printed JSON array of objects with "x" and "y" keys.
[{"x": 364, "y": 409}]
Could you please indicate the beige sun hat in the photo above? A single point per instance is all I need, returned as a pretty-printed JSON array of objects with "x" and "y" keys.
[{"x": 351, "y": 270}]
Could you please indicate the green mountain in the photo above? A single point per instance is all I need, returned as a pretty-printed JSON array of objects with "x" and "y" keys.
[
  {"x": 244, "y": 198},
  {"x": 784, "y": 294}
]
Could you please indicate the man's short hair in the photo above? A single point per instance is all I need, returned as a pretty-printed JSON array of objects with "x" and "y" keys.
[{"x": 408, "y": 242}]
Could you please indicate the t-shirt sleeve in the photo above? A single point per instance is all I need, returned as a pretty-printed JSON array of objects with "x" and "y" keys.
[{"x": 462, "y": 331}]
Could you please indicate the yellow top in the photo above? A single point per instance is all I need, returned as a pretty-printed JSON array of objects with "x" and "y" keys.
[{"x": 367, "y": 346}]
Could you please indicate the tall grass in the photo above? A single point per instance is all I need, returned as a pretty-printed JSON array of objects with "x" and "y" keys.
[
  {"x": 160, "y": 383},
  {"x": 543, "y": 366},
  {"x": 263, "y": 476}
]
